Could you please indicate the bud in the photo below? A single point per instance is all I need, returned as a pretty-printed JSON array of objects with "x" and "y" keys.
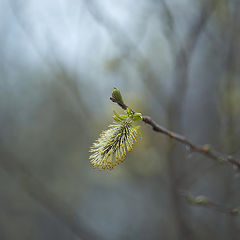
[
  {"x": 201, "y": 200},
  {"x": 206, "y": 148},
  {"x": 117, "y": 95}
]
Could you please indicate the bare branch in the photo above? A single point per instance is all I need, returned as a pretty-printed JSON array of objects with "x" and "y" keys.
[
  {"x": 204, "y": 149},
  {"x": 205, "y": 202}
]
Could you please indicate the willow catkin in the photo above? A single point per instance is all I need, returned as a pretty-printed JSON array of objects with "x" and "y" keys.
[{"x": 111, "y": 147}]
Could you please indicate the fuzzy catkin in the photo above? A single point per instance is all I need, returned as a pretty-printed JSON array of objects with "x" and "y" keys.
[{"x": 111, "y": 147}]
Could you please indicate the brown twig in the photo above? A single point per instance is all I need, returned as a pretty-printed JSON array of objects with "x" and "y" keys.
[
  {"x": 204, "y": 149},
  {"x": 203, "y": 201}
]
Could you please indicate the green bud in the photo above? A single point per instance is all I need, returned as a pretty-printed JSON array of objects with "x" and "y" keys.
[
  {"x": 201, "y": 200},
  {"x": 206, "y": 147},
  {"x": 117, "y": 95}
]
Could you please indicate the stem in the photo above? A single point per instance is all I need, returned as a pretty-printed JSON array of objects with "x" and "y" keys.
[
  {"x": 202, "y": 201},
  {"x": 204, "y": 149}
]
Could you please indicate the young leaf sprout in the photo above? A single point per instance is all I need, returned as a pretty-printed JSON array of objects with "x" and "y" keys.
[{"x": 111, "y": 147}]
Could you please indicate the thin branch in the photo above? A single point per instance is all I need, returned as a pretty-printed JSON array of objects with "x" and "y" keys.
[
  {"x": 205, "y": 202},
  {"x": 204, "y": 149},
  {"x": 37, "y": 190}
]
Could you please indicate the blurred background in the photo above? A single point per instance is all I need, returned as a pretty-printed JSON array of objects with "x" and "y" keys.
[{"x": 177, "y": 61}]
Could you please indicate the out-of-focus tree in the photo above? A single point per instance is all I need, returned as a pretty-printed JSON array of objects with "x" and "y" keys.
[{"x": 177, "y": 61}]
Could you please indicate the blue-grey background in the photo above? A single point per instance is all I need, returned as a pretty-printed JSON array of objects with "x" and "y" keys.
[{"x": 177, "y": 61}]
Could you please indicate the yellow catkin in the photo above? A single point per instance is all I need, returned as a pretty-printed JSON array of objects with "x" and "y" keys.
[{"x": 111, "y": 147}]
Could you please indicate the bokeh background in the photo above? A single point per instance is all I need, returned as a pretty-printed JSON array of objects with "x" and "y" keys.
[{"x": 177, "y": 61}]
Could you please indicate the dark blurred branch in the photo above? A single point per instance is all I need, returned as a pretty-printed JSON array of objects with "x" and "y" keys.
[
  {"x": 229, "y": 121},
  {"x": 40, "y": 193},
  {"x": 131, "y": 51},
  {"x": 53, "y": 63},
  {"x": 204, "y": 149},
  {"x": 205, "y": 202}
]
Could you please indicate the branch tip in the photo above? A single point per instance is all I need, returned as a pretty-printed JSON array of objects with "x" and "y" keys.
[{"x": 205, "y": 149}]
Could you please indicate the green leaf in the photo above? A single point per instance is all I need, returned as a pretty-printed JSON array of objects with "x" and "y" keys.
[{"x": 137, "y": 117}]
